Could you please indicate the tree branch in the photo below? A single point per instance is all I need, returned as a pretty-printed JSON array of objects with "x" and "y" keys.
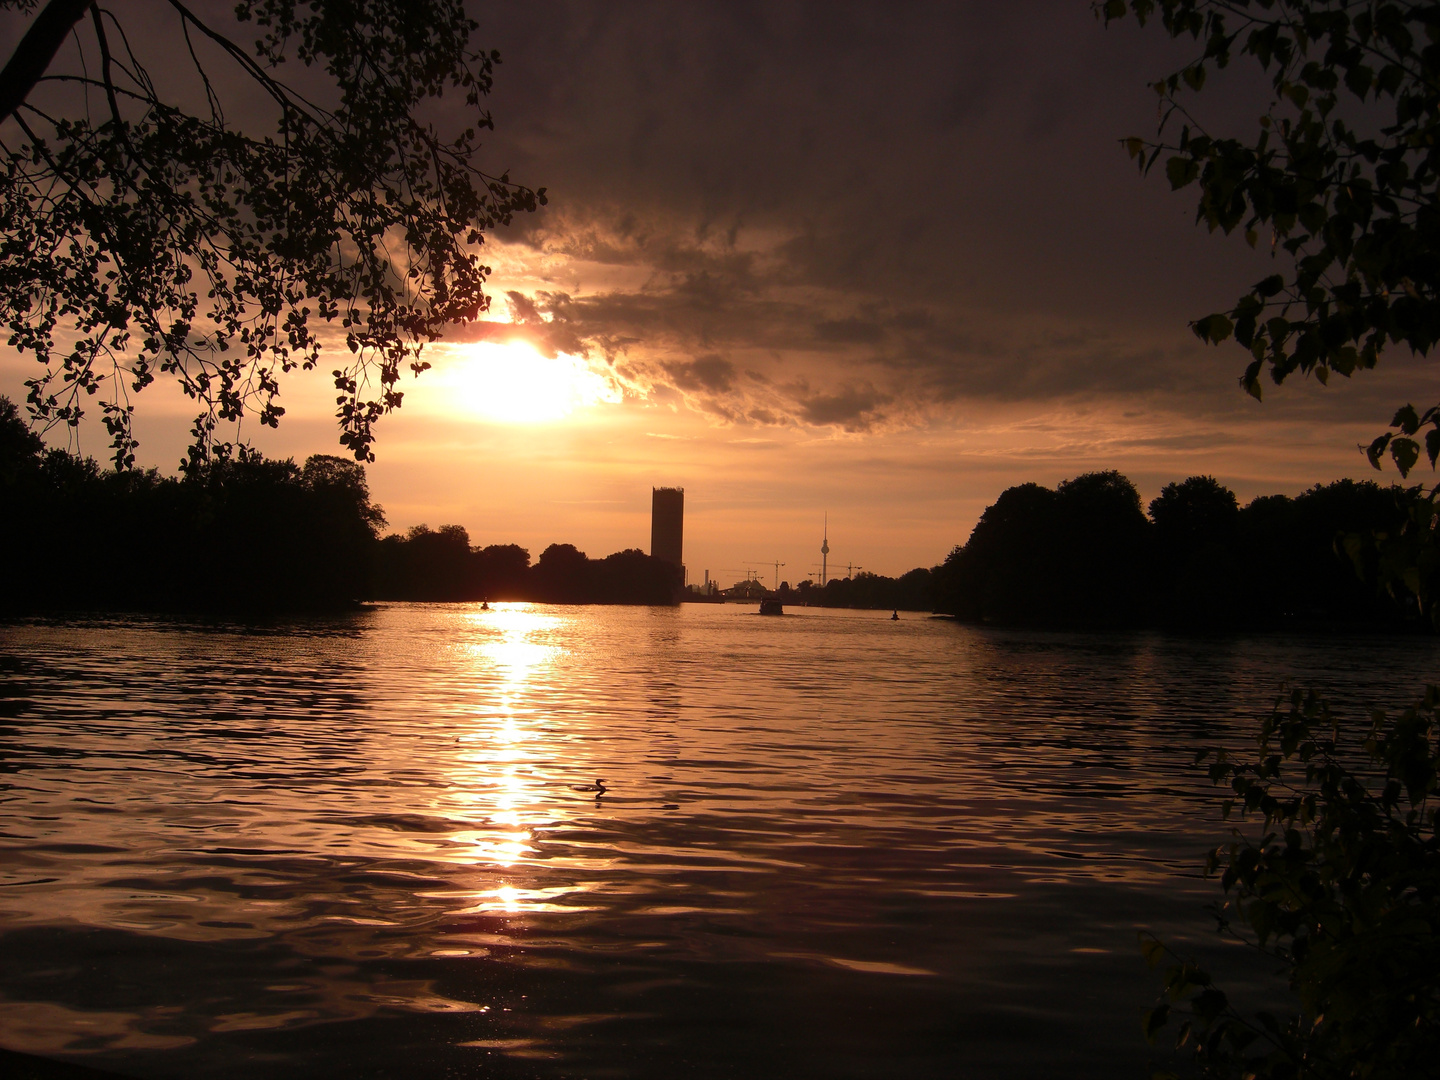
[
  {"x": 105, "y": 69},
  {"x": 35, "y": 51},
  {"x": 283, "y": 95}
]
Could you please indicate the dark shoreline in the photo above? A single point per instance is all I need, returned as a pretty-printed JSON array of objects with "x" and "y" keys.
[
  {"x": 257, "y": 617},
  {"x": 18, "y": 1066}
]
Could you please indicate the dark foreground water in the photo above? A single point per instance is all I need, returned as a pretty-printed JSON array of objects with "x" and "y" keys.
[{"x": 831, "y": 845}]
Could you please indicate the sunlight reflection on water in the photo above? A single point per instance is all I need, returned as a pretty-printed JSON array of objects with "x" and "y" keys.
[
  {"x": 827, "y": 844},
  {"x": 498, "y": 777}
]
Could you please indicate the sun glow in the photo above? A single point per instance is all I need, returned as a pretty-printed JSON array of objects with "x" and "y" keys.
[{"x": 514, "y": 384}]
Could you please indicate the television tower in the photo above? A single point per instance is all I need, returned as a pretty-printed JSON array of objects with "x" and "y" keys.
[{"x": 824, "y": 550}]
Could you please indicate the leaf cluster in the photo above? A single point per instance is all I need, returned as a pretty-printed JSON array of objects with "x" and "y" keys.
[
  {"x": 1340, "y": 886},
  {"x": 1403, "y": 555},
  {"x": 1339, "y": 177},
  {"x": 141, "y": 237}
]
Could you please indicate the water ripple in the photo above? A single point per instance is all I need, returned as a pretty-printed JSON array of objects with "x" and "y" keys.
[{"x": 826, "y": 845}]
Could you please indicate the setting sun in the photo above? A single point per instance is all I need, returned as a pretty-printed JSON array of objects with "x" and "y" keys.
[{"x": 513, "y": 383}]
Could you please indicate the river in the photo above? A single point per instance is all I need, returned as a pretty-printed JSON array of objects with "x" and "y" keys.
[{"x": 828, "y": 844}]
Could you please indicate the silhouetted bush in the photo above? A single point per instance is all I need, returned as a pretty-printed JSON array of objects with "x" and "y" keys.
[{"x": 1335, "y": 877}]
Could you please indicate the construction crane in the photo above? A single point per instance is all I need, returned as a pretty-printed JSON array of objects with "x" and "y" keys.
[
  {"x": 750, "y": 575},
  {"x": 776, "y": 563},
  {"x": 818, "y": 570}
]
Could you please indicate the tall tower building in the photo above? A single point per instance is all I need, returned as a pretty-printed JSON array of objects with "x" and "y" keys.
[
  {"x": 667, "y": 524},
  {"x": 824, "y": 552}
]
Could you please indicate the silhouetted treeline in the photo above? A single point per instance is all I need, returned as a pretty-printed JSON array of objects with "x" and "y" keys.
[
  {"x": 911, "y": 591},
  {"x": 243, "y": 534},
  {"x": 260, "y": 535},
  {"x": 441, "y": 564},
  {"x": 1086, "y": 554},
  {"x": 427, "y": 564},
  {"x": 254, "y": 535}
]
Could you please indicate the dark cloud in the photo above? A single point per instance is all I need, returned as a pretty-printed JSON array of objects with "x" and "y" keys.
[
  {"x": 849, "y": 331},
  {"x": 713, "y": 373},
  {"x": 522, "y": 308},
  {"x": 850, "y": 408},
  {"x": 869, "y": 209}
]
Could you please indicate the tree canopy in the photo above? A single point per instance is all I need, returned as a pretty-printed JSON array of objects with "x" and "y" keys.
[
  {"x": 1084, "y": 555},
  {"x": 191, "y": 543},
  {"x": 1338, "y": 178},
  {"x": 178, "y": 202}
]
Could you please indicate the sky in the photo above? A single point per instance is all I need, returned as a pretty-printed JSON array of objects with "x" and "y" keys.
[{"x": 867, "y": 263}]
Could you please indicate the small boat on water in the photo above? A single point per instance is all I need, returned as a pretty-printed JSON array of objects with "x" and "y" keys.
[{"x": 771, "y": 607}]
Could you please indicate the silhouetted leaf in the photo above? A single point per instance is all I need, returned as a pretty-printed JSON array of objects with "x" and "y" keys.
[
  {"x": 1214, "y": 328},
  {"x": 1406, "y": 453}
]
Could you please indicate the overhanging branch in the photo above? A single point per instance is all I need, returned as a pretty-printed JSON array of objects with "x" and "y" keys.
[{"x": 35, "y": 51}]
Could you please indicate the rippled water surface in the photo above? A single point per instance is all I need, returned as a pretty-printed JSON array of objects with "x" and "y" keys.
[{"x": 828, "y": 845}]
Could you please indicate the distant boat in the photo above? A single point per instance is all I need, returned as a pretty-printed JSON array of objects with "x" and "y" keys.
[
  {"x": 485, "y": 605},
  {"x": 771, "y": 607},
  {"x": 895, "y": 615}
]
